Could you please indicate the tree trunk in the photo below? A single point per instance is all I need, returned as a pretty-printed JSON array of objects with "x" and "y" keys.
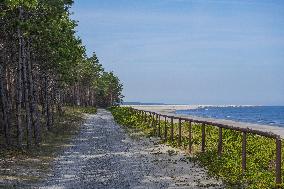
[
  {"x": 19, "y": 86},
  {"x": 78, "y": 95},
  {"x": 33, "y": 104},
  {"x": 111, "y": 99},
  {"x": 36, "y": 119},
  {"x": 27, "y": 100},
  {"x": 59, "y": 100},
  {"x": 4, "y": 106},
  {"x": 52, "y": 105},
  {"x": 74, "y": 95},
  {"x": 90, "y": 100},
  {"x": 42, "y": 97},
  {"x": 94, "y": 98},
  {"x": 47, "y": 104},
  {"x": 10, "y": 94}
]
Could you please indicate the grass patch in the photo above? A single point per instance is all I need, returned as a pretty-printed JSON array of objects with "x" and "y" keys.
[{"x": 87, "y": 110}]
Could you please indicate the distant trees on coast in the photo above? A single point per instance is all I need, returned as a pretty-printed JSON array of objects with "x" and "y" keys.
[{"x": 44, "y": 66}]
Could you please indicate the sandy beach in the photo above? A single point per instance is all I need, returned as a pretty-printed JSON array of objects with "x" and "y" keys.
[{"x": 170, "y": 110}]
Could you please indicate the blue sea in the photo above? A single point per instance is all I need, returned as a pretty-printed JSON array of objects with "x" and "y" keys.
[{"x": 267, "y": 115}]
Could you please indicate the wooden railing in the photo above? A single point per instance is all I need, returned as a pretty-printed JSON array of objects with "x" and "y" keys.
[{"x": 156, "y": 121}]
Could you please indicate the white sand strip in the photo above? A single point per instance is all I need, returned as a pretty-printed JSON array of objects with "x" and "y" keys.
[{"x": 170, "y": 111}]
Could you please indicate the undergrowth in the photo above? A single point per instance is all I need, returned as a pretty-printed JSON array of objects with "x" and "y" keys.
[{"x": 260, "y": 172}]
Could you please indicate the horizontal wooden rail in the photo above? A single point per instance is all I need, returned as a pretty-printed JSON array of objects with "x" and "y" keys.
[
  {"x": 240, "y": 129},
  {"x": 244, "y": 131}
]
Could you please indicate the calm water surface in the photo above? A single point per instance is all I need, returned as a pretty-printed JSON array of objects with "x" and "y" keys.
[{"x": 268, "y": 115}]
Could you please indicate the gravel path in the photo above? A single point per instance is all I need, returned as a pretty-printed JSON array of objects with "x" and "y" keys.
[{"x": 104, "y": 156}]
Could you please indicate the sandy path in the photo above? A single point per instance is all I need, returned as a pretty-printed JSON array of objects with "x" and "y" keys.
[{"x": 103, "y": 156}]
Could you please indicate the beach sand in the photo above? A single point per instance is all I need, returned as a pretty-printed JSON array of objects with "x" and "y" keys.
[{"x": 170, "y": 111}]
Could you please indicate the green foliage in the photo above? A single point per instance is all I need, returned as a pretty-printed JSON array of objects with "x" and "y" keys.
[
  {"x": 110, "y": 89},
  {"x": 44, "y": 66},
  {"x": 56, "y": 51},
  {"x": 125, "y": 117},
  {"x": 23, "y": 3},
  {"x": 261, "y": 151}
]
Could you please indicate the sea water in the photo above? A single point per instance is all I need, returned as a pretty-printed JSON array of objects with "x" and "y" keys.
[{"x": 267, "y": 115}]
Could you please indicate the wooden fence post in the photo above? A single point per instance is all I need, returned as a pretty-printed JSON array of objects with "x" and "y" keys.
[
  {"x": 278, "y": 161},
  {"x": 153, "y": 123},
  {"x": 166, "y": 130},
  {"x": 159, "y": 130},
  {"x": 172, "y": 129},
  {"x": 179, "y": 131},
  {"x": 220, "y": 142},
  {"x": 244, "y": 152},
  {"x": 203, "y": 137},
  {"x": 189, "y": 137},
  {"x": 156, "y": 125}
]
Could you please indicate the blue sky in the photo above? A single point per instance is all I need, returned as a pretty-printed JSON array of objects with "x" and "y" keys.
[{"x": 189, "y": 51}]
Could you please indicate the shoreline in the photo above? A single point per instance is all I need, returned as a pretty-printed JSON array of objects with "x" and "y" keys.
[{"x": 170, "y": 111}]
